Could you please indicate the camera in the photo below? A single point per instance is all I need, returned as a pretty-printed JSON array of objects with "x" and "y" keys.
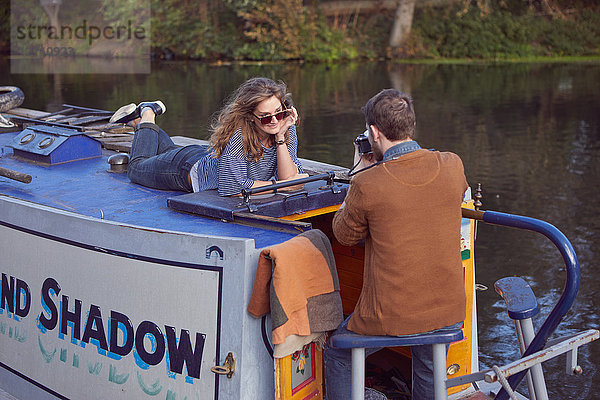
[{"x": 362, "y": 141}]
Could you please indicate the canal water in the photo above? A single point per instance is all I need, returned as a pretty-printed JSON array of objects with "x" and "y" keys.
[{"x": 529, "y": 133}]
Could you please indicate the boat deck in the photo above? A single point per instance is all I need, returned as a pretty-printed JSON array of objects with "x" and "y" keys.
[{"x": 113, "y": 197}]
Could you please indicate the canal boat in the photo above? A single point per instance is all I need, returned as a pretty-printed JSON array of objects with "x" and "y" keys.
[{"x": 114, "y": 290}]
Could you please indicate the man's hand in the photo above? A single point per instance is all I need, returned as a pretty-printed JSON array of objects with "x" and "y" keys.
[{"x": 364, "y": 160}]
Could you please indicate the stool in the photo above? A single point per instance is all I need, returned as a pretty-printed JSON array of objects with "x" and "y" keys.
[
  {"x": 358, "y": 344},
  {"x": 522, "y": 306}
]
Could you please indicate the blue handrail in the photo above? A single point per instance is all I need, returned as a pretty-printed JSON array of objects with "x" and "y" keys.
[{"x": 571, "y": 287}]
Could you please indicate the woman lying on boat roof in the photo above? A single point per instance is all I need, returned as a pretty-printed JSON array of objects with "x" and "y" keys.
[{"x": 253, "y": 143}]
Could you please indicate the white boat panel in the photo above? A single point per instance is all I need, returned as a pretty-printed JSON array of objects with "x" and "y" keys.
[{"x": 170, "y": 286}]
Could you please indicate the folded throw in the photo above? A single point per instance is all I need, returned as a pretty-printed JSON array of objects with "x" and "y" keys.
[{"x": 297, "y": 282}]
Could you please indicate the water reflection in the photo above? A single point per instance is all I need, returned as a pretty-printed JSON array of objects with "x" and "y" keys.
[{"x": 530, "y": 133}]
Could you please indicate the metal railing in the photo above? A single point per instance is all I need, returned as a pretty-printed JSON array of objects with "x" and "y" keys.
[{"x": 566, "y": 299}]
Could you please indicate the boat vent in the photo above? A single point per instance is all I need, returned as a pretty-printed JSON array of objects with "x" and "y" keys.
[{"x": 54, "y": 145}]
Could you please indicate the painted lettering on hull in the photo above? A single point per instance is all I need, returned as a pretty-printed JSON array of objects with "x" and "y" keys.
[
  {"x": 15, "y": 296},
  {"x": 115, "y": 337}
]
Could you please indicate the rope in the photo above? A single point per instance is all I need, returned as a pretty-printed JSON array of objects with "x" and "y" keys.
[
  {"x": 504, "y": 382},
  {"x": 265, "y": 337}
]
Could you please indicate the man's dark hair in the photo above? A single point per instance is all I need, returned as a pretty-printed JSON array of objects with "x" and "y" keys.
[{"x": 392, "y": 112}]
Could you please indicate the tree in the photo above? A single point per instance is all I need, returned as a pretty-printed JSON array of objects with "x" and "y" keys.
[
  {"x": 402, "y": 22},
  {"x": 51, "y": 7}
]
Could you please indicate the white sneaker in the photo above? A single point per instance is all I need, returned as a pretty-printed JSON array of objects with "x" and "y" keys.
[{"x": 131, "y": 111}]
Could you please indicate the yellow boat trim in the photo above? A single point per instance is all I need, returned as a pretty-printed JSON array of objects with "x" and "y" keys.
[
  {"x": 312, "y": 213},
  {"x": 311, "y": 389},
  {"x": 460, "y": 353}
]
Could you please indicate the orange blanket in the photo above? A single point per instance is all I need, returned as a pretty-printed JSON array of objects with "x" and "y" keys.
[{"x": 297, "y": 282}]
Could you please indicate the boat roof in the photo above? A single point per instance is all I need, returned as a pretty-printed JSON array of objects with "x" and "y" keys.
[{"x": 86, "y": 187}]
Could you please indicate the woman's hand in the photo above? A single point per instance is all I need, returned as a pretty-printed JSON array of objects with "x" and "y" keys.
[
  {"x": 289, "y": 121},
  {"x": 294, "y": 114},
  {"x": 291, "y": 188},
  {"x": 295, "y": 187}
]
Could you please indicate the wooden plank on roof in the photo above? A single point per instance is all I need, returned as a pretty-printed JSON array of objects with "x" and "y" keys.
[
  {"x": 26, "y": 112},
  {"x": 123, "y": 147}
]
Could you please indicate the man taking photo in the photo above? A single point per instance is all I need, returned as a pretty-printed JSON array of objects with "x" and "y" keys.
[{"x": 405, "y": 202}]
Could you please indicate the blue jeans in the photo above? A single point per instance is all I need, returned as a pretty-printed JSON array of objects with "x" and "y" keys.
[
  {"x": 338, "y": 369},
  {"x": 156, "y": 162}
]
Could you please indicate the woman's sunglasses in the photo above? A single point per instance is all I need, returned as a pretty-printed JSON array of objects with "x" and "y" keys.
[{"x": 279, "y": 116}]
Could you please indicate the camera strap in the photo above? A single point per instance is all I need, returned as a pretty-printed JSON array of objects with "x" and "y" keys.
[{"x": 352, "y": 172}]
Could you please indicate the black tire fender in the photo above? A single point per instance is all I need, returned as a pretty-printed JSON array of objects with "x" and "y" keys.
[{"x": 10, "y": 97}]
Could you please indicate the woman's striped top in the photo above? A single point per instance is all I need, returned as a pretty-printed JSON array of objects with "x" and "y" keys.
[{"x": 232, "y": 172}]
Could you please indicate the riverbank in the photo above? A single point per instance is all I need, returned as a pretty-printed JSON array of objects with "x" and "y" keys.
[
  {"x": 443, "y": 32},
  {"x": 532, "y": 60},
  {"x": 407, "y": 61},
  {"x": 290, "y": 31},
  {"x": 503, "y": 33}
]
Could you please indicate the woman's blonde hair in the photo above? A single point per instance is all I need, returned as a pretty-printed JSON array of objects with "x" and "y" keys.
[{"x": 238, "y": 114}]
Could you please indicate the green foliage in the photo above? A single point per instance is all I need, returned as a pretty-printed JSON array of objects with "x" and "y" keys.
[
  {"x": 180, "y": 27},
  {"x": 373, "y": 35},
  {"x": 286, "y": 30},
  {"x": 79, "y": 25},
  {"x": 4, "y": 26},
  {"x": 272, "y": 30},
  {"x": 275, "y": 30},
  {"x": 455, "y": 33},
  {"x": 580, "y": 36},
  {"x": 322, "y": 43},
  {"x": 242, "y": 5}
]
